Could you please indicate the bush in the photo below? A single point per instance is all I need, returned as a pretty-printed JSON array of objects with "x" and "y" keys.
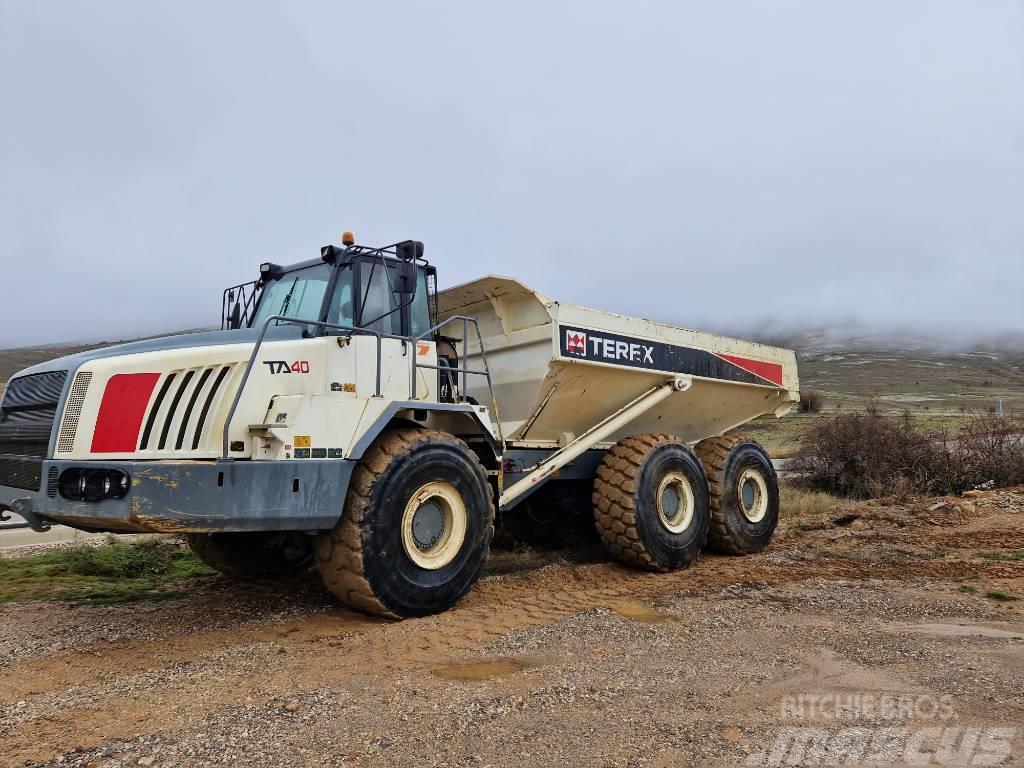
[
  {"x": 123, "y": 560},
  {"x": 872, "y": 454},
  {"x": 810, "y": 401},
  {"x": 987, "y": 451}
]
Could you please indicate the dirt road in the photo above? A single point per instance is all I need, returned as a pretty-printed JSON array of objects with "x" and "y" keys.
[{"x": 868, "y": 625}]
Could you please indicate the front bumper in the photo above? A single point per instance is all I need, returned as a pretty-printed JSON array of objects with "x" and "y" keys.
[{"x": 196, "y": 497}]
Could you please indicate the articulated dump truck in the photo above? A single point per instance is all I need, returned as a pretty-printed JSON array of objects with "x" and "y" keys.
[{"x": 349, "y": 414}]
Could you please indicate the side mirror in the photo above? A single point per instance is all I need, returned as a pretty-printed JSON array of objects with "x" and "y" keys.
[{"x": 407, "y": 279}]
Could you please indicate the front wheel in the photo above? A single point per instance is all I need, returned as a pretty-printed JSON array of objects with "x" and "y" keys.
[{"x": 416, "y": 529}]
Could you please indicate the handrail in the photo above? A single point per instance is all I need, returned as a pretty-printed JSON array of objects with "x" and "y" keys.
[
  {"x": 463, "y": 368},
  {"x": 380, "y": 336},
  {"x": 225, "y": 453}
]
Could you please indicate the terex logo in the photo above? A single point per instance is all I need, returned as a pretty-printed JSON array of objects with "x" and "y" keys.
[
  {"x": 281, "y": 366},
  {"x": 601, "y": 348},
  {"x": 610, "y": 349},
  {"x": 576, "y": 343}
]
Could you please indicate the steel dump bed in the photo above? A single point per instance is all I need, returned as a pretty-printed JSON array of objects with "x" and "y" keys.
[{"x": 558, "y": 369}]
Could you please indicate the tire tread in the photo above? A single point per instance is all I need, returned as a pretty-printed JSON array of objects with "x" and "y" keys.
[
  {"x": 614, "y": 502},
  {"x": 341, "y": 564}
]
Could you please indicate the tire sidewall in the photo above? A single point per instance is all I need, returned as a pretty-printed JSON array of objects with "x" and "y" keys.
[
  {"x": 751, "y": 537},
  {"x": 401, "y": 585},
  {"x": 671, "y": 550}
]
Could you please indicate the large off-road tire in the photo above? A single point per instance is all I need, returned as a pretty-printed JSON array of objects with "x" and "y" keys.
[
  {"x": 416, "y": 528},
  {"x": 651, "y": 503},
  {"x": 257, "y": 555},
  {"x": 744, "y": 494}
]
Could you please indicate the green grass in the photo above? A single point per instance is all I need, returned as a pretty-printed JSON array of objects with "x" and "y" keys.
[
  {"x": 113, "y": 572},
  {"x": 968, "y": 588},
  {"x": 1013, "y": 554},
  {"x": 998, "y": 594}
]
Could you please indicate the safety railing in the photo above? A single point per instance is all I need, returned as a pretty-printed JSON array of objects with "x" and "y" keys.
[
  {"x": 463, "y": 367},
  {"x": 282, "y": 319},
  {"x": 379, "y": 336}
]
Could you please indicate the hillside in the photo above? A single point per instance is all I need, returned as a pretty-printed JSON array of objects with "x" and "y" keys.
[{"x": 930, "y": 378}]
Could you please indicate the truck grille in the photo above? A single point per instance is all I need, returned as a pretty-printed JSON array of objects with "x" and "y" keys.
[{"x": 26, "y": 421}]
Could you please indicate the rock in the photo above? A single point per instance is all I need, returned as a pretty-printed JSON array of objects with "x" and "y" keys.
[
  {"x": 291, "y": 706},
  {"x": 146, "y": 762}
]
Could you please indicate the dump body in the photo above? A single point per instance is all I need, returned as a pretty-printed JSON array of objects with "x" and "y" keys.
[{"x": 558, "y": 369}]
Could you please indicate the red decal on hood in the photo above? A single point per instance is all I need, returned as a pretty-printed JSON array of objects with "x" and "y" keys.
[{"x": 121, "y": 412}]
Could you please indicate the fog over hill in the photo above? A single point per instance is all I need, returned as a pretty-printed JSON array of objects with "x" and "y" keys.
[{"x": 694, "y": 162}]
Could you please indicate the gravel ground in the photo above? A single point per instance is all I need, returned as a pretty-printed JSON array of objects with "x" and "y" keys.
[{"x": 556, "y": 659}]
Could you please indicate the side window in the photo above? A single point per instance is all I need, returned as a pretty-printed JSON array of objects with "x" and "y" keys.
[
  {"x": 378, "y": 299},
  {"x": 419, "y": 312},
  {"x": 343, "y": 306}
]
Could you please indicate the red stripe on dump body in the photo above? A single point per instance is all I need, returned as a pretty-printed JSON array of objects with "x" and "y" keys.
[
  {"x": 121, "y": 412},
  {"x": 770, "y": 371}
]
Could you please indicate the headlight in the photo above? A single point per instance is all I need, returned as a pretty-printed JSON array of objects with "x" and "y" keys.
[{"x": 93, "y": 484}]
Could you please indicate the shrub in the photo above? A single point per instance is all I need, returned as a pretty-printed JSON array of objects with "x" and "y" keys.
[
  {"x": 989, "y": 451},
  {"x": 872, "y": 454},
  {"x": 865, "y": 455},
  {"x": 124, "y": 560},
  {"x": 810, "y": 401}
]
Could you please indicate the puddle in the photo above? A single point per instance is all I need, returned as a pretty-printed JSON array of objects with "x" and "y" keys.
[
  {"x": 484, "y": 669},
  {"x": 641, "y": 613},
  {"x": 960, "y": 630}
]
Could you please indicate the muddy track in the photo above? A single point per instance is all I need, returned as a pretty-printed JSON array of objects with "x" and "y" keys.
[{"x": 79, "y": 699}]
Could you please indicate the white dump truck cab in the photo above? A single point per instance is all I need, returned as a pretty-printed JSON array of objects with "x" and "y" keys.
[{"x": 349, "y": 414}]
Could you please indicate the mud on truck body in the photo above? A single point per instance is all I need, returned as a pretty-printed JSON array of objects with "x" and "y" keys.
[{"x": 348, "y": 414}]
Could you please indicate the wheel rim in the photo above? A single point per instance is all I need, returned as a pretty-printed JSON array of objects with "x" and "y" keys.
[
  {"x": 752, "y": 495},
  {"x": 675, "y": 502},
  {"x": 434, "y": 525}
]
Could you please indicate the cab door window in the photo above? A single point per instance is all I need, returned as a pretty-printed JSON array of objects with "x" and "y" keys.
[
  {"x": 379, "y": 304},
  {"x": 419, "y": 311}
]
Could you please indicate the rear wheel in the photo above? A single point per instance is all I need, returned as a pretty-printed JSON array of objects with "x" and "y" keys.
[
  {"x": 257, "y": 555},
  {"x": 651, "y": 503},
  {"x": 744, "y": 494},
  {"x": 417, "y": 525}
]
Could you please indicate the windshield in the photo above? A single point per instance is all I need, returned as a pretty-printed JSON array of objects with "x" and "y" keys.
[{"x": 299, "y": 293}]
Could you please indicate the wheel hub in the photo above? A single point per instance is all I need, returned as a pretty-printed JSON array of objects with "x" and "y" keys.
[
  {"x": 752, "y": 493},
  {"x": 675, "y": 502},
  {"x": 428, "y": 525},
  {"x": 434, "y": 525}
]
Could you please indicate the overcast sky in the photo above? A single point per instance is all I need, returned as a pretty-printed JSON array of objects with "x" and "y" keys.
[{"x": 704, "y": 163}]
